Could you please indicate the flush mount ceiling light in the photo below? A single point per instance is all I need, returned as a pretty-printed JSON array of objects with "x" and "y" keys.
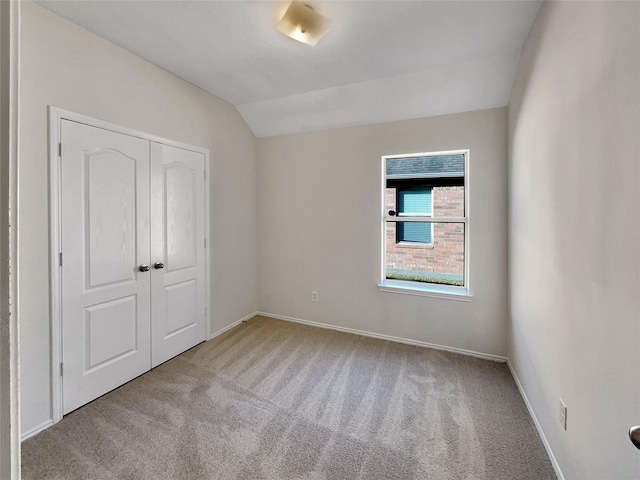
[{"x": 302, "y": 23}]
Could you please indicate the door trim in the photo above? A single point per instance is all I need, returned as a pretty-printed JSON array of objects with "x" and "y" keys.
[{"x": 56, "y": 115}]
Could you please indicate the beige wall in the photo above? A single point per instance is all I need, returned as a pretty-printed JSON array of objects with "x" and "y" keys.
[
  {"x": 65, "y": 66},
  {"x": 574, "y": 131},
  {"x": 319, "y": 200}
]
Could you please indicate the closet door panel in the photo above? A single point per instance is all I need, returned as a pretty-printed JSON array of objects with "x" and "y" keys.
[
  {"x": 178, "y": 234},
  {"x": 104, "y": 238}
]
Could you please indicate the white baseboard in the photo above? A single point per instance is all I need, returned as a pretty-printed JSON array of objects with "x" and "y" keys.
[
  {"x": 543, "y": 437},
  {"x": 408, "y": 341},
  {"x": 234, "y": 324},
  {"x": 35, "y": 430}
]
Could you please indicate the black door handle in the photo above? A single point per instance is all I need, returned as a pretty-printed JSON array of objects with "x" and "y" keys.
[
  {"x": 158, "y": 265},
  {"x": 143, "y": 268},
  {"x": 634, "y": 435}
]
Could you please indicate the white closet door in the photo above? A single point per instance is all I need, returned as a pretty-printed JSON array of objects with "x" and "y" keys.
[
  {"x": 104, "y": 238},
  {"x": 178, "y": 235}
]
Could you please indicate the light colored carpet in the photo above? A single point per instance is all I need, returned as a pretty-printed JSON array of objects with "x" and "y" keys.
[{"x": 277, "y": 400}]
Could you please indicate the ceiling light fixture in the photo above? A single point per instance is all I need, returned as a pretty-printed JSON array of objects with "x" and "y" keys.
[{"x": 302, "y": 23}]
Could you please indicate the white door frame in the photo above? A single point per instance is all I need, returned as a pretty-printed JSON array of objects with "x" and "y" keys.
[
  {"x": 56, "y": 115},
  {"x": 9, "y": 171}
]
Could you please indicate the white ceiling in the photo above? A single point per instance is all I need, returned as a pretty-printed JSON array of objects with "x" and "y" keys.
[{"x": 381, "y": 60}]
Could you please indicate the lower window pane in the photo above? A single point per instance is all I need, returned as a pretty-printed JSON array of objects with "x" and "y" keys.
[{"x": 425, "y": 252}]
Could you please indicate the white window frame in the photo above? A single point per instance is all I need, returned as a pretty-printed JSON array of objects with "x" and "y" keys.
[{"x": 418, "y": 288}]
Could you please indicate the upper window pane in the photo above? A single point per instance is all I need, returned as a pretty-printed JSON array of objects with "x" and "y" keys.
[{"x": 442, "y": 176}]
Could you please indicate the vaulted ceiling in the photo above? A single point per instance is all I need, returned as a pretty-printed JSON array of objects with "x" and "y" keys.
[{"x": 381, "y": 60}]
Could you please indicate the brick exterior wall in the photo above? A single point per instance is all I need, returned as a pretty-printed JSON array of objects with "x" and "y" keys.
[{"x": 446, "y": 254}]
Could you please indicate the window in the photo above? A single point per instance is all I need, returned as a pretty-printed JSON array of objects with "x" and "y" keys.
[
  {"x": 414, "y": 202},
  {"x": 425, "y": 219}
]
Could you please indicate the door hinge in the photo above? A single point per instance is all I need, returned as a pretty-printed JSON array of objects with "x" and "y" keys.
[
  {"x": 61, "y": 368},
  {"x": 60, "y": 258},
  {"x": 60, "y": 149},
  {"x": 205, "y": 243},
  {"x": 205, "y": 312}
]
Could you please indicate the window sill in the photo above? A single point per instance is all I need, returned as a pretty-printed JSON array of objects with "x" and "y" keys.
[
  {"x": 426, "y": 246},
  {"x": 411, "y": 288}
]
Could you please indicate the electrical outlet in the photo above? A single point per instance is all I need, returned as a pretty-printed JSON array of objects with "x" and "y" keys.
[
  {"x": 563, "y": 414},
  {"x": 314, "y": 296}
]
